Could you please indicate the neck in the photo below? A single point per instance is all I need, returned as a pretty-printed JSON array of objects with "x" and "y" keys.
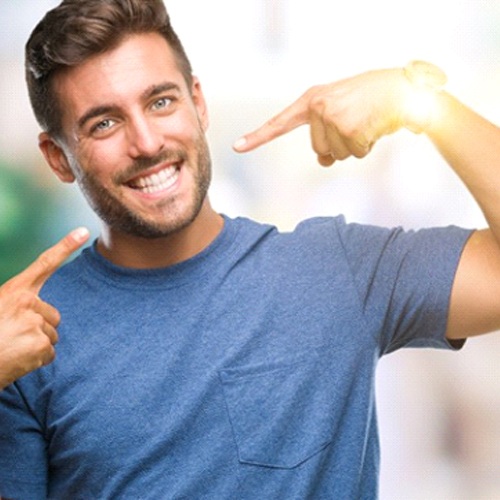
[{"x": 144, "y": 253}]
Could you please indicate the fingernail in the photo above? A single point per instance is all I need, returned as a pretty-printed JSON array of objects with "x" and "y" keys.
[
  {"x": 240, "y": 143},
  {"x": 80, "y": 234}
]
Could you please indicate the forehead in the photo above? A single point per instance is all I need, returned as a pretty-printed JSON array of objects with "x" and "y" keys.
[{"x": 118, "y": 75}]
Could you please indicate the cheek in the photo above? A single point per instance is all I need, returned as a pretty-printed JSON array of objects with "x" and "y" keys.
[
  {"x": 183, "y": 127},
  {"x": 99, "y": 159}
]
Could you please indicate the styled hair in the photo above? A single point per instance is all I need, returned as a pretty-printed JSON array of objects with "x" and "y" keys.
[{"x": 79, "y": 29}]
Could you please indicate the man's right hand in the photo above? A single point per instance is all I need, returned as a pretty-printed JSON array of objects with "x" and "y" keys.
[{"x": 27, "y": 323}]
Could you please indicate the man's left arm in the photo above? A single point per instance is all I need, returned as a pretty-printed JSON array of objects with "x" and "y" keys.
[
  {"x": 471, "y": 146},
  {"x": 346, "y": 118}
]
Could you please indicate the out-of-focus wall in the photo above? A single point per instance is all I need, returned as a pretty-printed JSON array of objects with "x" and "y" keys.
[{"x": 439, "y": 412}]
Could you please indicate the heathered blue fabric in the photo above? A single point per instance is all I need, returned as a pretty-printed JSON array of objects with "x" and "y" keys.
[{"x": 246, "y": 372}]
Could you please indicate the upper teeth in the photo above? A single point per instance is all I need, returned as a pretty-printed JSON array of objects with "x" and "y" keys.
[{"x": 157, "y": 182}]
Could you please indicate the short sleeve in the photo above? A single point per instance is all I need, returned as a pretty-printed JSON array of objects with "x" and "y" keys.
[
  {"x": 23, "y": 461},
  {"x": 404, "y": 280}
]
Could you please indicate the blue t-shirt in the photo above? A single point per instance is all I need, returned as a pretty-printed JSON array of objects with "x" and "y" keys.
[{"x": 245, "y": 372}]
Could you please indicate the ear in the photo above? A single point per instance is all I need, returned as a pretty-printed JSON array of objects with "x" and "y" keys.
[
  {"x": 200, "y": 103},
  {"x": 55, "y": 157}
]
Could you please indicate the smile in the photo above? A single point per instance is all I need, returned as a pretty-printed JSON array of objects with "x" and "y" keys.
[{"x": 159, "y": 181}]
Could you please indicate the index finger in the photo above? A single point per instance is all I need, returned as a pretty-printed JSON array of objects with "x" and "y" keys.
[
  {"x": 291, "y": 117},
  {"x": 35, "y": 275}
]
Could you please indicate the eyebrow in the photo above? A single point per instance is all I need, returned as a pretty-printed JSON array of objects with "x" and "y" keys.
[{"x": 110, "y": 108}]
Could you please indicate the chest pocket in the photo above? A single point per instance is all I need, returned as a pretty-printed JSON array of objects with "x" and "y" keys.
[{"x": 281, "y": 415}]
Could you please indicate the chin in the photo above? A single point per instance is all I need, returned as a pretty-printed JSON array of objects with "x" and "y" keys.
[{"x": 138, "y": 227}]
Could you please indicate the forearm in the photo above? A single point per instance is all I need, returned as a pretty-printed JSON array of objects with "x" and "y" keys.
[{"x": 471, "y": 146}]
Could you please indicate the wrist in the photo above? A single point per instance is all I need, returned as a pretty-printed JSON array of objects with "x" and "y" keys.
[{"x": 421, "y": 99}]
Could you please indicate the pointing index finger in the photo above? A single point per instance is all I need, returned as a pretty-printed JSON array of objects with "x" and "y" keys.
[
  {"x": 291, "y": 117},
  {"x": 35, "y": 275}
]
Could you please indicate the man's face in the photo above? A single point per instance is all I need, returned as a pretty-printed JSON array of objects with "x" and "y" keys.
[{"x": 135, "y": 137}]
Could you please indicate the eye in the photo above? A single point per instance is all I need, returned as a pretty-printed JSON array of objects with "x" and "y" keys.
[
  {"x": 103, "y": 125},
  {"x": 162, "y": 103}
]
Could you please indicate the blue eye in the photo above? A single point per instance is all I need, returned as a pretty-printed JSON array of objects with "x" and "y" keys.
[
  {"x": 104, "y": 125},
  {"x": 162, "y": 103}
]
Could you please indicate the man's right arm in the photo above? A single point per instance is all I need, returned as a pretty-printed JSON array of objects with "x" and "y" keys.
[{"x": 27, "y": 323}]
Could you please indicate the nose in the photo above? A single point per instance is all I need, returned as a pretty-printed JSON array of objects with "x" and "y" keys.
[{"x": 144, "y": 140}]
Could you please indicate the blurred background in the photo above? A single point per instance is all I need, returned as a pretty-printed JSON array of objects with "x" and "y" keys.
[{"x": 439, "y": 412}]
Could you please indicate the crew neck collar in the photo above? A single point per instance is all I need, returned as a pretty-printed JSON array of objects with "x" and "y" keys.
[{"x": 202, "y": 262}]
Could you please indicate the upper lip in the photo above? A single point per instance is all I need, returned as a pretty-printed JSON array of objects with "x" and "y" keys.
[{"x": 152, "y": 170}]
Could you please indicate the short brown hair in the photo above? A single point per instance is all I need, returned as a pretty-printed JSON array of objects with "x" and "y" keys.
[{"x": 78, "y": 29}]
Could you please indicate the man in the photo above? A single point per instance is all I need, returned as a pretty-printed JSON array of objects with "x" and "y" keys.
[{"x": 201, "y": 356}]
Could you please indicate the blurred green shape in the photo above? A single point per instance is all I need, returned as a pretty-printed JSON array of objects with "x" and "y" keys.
[{"x": 25, "y": 212}]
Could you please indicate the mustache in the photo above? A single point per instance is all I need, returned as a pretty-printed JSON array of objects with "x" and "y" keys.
[{"x": 145, "y": 162}]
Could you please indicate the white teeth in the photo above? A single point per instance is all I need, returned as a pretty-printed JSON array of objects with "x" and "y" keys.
[{"x": 157, "y": 182}]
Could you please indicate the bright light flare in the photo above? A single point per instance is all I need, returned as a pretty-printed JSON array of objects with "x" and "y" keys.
[
  {"x": 420, "y": 108},
  {"x": 427, "y": 80}
]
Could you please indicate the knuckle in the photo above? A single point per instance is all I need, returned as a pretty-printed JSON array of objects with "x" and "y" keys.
[
  {"x": 42, "y": 345},
  {"x": 26, "y": 299},
  {"x": 360, "y": 152},
  {"x": 57, "y": 317},
  {"x": 317, "y": 103},
  {"x": 8, "y": 288},
  {"x": 322, "y": 96},
  {"x": 38, "y": 322},
  {"x": 361, "y": 146},
  {"x": 276, "y": 124},
  {"x": 31, "y": 325},
  {"x": 313, "y": 92},
  {"x": 35, "y": 345},
  {"x": 34, "y": 351},
  {"x": 349, "y": 132},
  {"x": 65, "y": 246},
  {"x": 45, "y": 261},
  {"x": 49, "y": 356}
]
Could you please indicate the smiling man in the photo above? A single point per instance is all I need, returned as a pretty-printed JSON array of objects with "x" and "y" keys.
[
  {"x": 200, "y": 356},
  {"x": 133, "y": 135}
]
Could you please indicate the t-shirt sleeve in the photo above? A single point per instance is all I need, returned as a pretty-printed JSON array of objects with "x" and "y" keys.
[
  {"x": 404, "y": 280},
  {"x": 23, "y": 461}
]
